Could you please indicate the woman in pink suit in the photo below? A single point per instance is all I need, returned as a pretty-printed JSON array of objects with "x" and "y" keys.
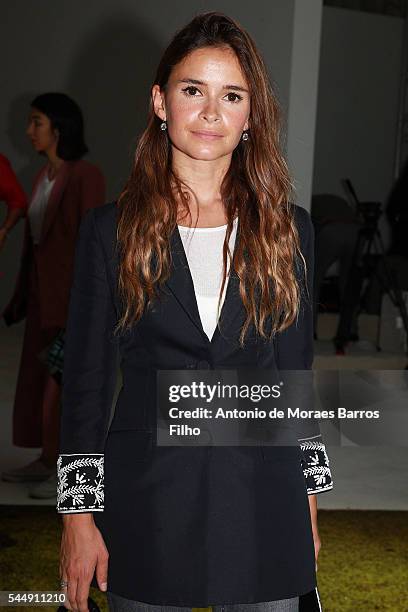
[
  {"x": 63, "y": 190},
  {"x": 14, "y": 197}
]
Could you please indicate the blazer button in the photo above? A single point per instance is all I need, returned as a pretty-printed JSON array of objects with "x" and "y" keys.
[{"x": 203, "y": 365}]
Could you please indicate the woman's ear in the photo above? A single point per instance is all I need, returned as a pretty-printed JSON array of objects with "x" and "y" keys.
[{"x": 158, "y": 102}]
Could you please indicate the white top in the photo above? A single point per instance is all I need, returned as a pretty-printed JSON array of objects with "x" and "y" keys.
[
  {"x": 38, "y": 205},
  {"x": 203, "y": 247}
]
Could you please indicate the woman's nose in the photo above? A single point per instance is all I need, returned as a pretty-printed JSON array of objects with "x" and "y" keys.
[{"x": 211, "y": 111}]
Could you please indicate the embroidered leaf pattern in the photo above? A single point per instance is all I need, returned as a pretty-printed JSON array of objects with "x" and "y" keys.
[
  {"x": 316, "y": 467},
  {"x": 80, "y": 482}
]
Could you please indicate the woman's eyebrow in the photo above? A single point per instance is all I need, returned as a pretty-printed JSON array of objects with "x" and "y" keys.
[{"x": 197, "y": 82}]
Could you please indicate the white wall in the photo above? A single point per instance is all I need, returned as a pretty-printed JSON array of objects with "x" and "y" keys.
[
  {"x": 104, "y": 54},
  {"x": 357, "y": 102},
  {"x": 303, "y": 96}
]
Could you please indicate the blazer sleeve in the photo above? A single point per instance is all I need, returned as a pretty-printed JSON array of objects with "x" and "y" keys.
[
  {"x": 92, "y": 188},
  {"x": 88, "y": 378},
  {"x": 294, "y": 351}
]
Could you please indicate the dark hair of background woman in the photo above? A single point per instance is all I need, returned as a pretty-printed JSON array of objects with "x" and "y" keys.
[
  {"x": 65, "y": 116},
  {"x": 257, "y": 187}
]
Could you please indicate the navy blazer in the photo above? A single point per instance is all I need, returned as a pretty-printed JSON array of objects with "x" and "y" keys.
[{"x": 184, "y": 526}]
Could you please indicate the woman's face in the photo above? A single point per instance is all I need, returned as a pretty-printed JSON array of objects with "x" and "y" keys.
[
  {"x": 39, "y": 130},
  {"x": 206, "y": 103}
]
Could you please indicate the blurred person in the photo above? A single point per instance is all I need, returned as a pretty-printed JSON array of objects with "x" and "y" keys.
[
  {"x": 391, "y": 270},
  {"x": 397, "y": 214},
  {"x": 14, "y": 197},
  {"x": 336, "y": 231},
  {"x": 64, "y": 189}
]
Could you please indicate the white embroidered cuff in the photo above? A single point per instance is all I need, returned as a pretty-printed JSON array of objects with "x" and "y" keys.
[
  {"x": 316, "y": 466},
  {"x": 80, "y": 483}
]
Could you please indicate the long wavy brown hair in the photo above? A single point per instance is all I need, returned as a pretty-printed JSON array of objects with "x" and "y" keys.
[{"x": 256, "y": 187}]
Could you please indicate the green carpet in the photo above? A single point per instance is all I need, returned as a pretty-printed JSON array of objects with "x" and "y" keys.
[{"x": 363, "y": 562}]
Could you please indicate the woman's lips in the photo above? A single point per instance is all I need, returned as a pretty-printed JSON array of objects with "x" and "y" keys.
[{"x": 207, "y": 135}]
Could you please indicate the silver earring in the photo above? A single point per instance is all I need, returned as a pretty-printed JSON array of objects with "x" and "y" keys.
[
  {"x": 163, "y": 126},
  {"x": 245, "y": 135}
]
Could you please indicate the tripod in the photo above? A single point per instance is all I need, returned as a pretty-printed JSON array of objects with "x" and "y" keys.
[{"x": 368, "y": 247}]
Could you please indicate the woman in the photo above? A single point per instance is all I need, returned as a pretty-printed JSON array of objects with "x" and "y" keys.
[
  {"x": 188, "y": 526},
  {"x": 13, "y": 195},
  {"x": 64, "y": 189}
]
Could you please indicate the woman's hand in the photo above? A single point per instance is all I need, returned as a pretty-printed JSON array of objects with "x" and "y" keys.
[
  {"x": 82, "y": 550},
  {"x": 315, "y": 530}
]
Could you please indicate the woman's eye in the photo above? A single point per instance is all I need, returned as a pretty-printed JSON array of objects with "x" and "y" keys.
[
  {"x": 190, "y": 89},
  {"x": 237, "y": 97}
]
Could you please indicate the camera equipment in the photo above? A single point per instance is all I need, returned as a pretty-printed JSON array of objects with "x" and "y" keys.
[{"x": 368, "y": 253}]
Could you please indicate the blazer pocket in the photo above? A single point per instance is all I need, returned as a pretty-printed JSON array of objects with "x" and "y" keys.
[{"x": 125, "y": 446}]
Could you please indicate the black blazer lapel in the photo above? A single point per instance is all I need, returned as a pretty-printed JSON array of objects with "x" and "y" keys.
[
  {"x": 181, "y": 285},
  {"x": 180, "y": 281}
]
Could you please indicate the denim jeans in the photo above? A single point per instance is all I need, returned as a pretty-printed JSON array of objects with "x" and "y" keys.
[{"x": 117, "y": 603}]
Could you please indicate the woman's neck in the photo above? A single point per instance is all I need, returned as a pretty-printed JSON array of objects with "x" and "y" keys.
[
  {"x": 54, "y": 164},
  {"x": 208, "y": 217},
  {"x": 203, "y": 177},
  {"x": 204, "y": 180}
]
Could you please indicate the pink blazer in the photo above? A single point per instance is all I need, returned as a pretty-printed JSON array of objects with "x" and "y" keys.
[{"x": 79, "y": 185}]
